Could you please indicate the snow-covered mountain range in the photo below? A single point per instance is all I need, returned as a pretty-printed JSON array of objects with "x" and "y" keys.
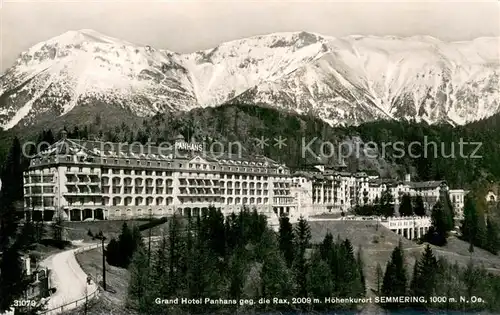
[{"x": 341, "y": 80}]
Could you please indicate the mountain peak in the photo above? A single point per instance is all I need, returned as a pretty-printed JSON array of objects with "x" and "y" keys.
[
  {"x": 347, "y": 80},
  {"x": 85, "y": 35}
]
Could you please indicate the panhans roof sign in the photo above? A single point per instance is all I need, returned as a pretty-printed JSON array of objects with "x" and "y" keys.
[{"x": 189, "y": 146}]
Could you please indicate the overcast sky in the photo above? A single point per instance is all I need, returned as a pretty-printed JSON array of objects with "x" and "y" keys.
[{"x": 186, "y": 26}]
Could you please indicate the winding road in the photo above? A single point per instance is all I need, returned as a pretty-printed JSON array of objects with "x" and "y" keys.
[{"x": 69, "y": 280}]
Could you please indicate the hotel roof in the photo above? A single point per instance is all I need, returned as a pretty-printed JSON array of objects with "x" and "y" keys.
[
  {"x": 427, "y": 184},
  {"x": 149, "y": 152}
]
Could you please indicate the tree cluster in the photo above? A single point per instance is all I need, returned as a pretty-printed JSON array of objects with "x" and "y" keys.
[
  {"x": 477, "y": 230},
  {"x": 434, "y": 277},
  {"x": 15, "y": 236},
  {"x": 442, "y": 219},
  {"x": 240, "y": 257},
  {"x": 119, "y": 252}
]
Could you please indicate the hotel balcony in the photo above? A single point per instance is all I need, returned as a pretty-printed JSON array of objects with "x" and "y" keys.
[
  {"x": 86, "y": 193},
  {"x": 39, "y": 184}
]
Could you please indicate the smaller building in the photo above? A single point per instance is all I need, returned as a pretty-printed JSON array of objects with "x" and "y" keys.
[
  {"x": 457, "y": 197},
  {"x": 408, "y": 227},
  {"x": 491, "y": 196},
  {"x": 39, "y": 287}
]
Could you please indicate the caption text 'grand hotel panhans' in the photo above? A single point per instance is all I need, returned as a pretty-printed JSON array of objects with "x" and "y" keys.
[{"x": 96, "y": 180}]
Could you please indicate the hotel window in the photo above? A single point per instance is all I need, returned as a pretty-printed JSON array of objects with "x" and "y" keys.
[
  {"x": 103, "y": 160},
  {"x": 138, "y": 162},
  {"x": 116, "y": 161},
  {"x": 149, "y": 163},
  {"x": 159, "y": 164},
  {"x": 128, "y": 161},
  {"x": 213, "y": 167},
  {"x": 180, "y": 165}
]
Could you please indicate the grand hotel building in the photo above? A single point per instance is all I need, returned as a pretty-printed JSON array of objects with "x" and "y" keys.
[{"x": 96, "y": 180}]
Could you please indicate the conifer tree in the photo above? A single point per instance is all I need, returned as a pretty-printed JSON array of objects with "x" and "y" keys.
[
  {"x": 492, "y": 241},
  {"x": 213, "y": 230},
  {"x": 350, "y": 277},
  {"x": 12, "y": 173},
  {"x": 302, "y": 239},
  {"x": 470, "y": 278},
  {"x": 140, "y": 281},
  {"x": 449, "y": 212},
  {"x": 57, "y": 226},
  {"x": 326, "y": 248},
  {"x": 137, "y": 239},
  {"x": 113, "y": 254},
  {"x": 395, "y": 277},
  {"x": 175, "y": 249},
  {"x": 266, "y": 245},
  {"x": 126, "y": 245},
  {"x": 419, "y": 206},
  {"x": 438, "y": 230},
  {"x": 469, "y": 224},
  {"x": 237, "y": 271},
  {"x": 13, "y": 280},
  {"x": 359, "y": 262},
  {"x": 481, "y": 238},
  {"x": 387, "y": 203},
  {"x": 319, "y": 277},
  {"x": 160, "y": 270},
  {"x": 276, "y": 279},
  {"x": 11, "y": 176},
  {"x": 379, "y": 276},
  {"x": 203, "y": 275},
  {"x": 425, "y": 274},
  {"x": 232, "y": 237},
  {"x": 286, "y": 240},
  {"x": 405, "y": 208}
]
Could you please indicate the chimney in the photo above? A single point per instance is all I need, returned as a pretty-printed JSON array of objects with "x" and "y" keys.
[
  {"x": 320, "y": 167},
  {"x": 407, "y": 178},
  {"x": 179, "y": 139}
]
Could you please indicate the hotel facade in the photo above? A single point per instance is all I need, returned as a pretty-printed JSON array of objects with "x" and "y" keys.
[
  {"x": 89, "y": 180},
  {"x": 321, "y": 190},
  {"x": 86, "y": 180}
]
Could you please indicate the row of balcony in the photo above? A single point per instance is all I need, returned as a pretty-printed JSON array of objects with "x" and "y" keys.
[
  {"x": 138, "y": 201},
  {"x": 137, "y": 191},
  {"x": 95, "y": 192},
  {"x": 137, "y": 182},
  {"x": 244, "y": 185}
]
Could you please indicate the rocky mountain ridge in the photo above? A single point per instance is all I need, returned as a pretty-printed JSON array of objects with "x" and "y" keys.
[{"x": 344, "y": 81}]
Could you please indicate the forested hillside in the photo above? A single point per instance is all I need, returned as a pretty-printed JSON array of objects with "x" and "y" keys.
[{"x": 246, "y": 123}]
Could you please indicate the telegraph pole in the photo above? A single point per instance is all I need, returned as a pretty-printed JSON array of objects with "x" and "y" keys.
[
  {"x": 103, "y": 265},
  {"x": 101, "y": 237}
]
